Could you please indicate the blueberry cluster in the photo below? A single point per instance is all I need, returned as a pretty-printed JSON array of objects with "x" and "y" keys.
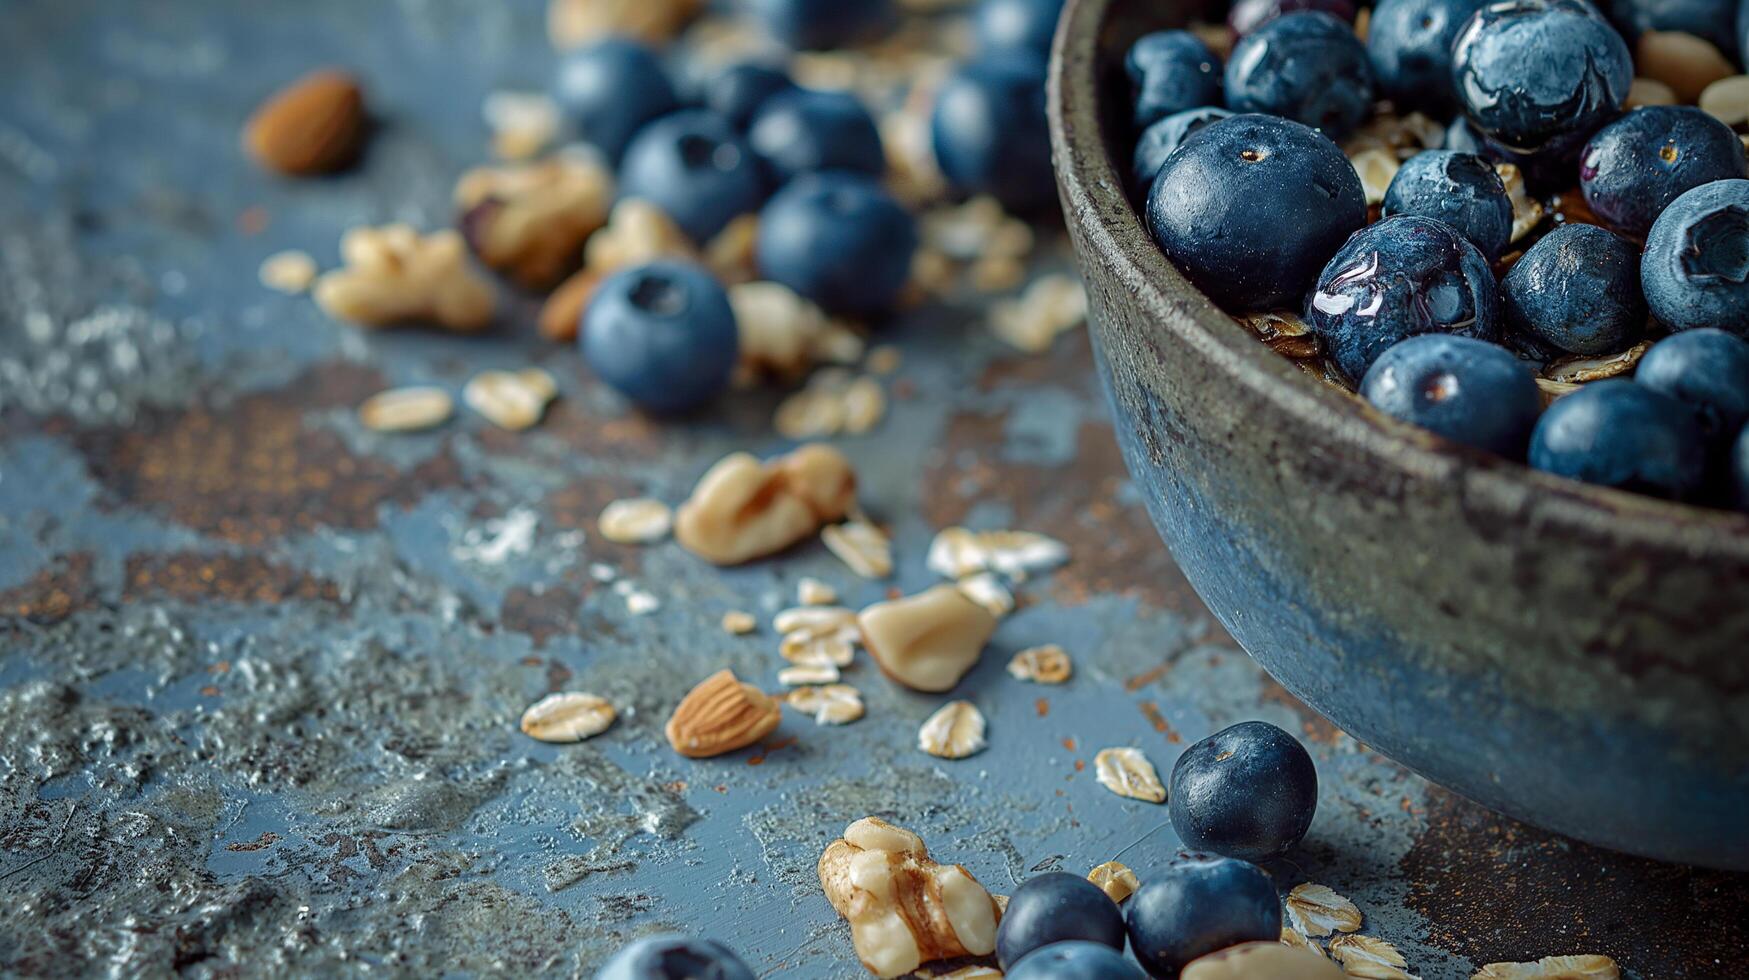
[{"x": 1484, "y": 233}]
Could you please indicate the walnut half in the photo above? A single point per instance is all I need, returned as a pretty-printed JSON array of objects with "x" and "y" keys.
[
  {"x": 395, "y": 275},
  {"x": 743, "y": 509},
  {"x": 904, "y": 908}
]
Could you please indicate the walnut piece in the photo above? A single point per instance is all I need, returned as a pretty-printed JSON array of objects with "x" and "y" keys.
[
  {"x": 395, "y": 275},
  {"x": 720, "y": 715},
  {"x": 927, "y": 641},
  {"x": 636, "y": 232},
  {"x": 1261, "y": 961},
  {"x": 904, "y": 908},
  {"x": 743, "y": 509},
  {"x": 530, "y": 220},
  {"x": 1116, "y": 880}
]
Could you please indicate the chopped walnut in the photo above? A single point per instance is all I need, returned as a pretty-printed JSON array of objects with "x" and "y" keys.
[
  {"x": 394, "y": 275},
  {"x": 743, "y": 509},
  {"x": 530, "y": 220},
  {"x": 636, "y": 232},
  {"x": 1116, "y": 880}
]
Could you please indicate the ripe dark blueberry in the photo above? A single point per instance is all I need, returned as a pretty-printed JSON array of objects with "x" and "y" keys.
[
  {"x": 1634, "y": 167},
  {"x": 1075, "y": 961},
  {"x": 1398, "y": 278},
  {"x": 1169, "y": 72},
  {"x": 662, "y": 334},
  {"x": 610, "y": 89},
  {"x": 1620, "y": 434},
  {"x": 1712, "y": 20},
  {"x": 1249, "y": 208},
  {"x": 1742, "y": 30},
  {"x": 739, "y": 90},
  {"x": 816, "y": 25},
  {"x": 695, "y": 166},
  {"x": 1052, "y": 908},
  {"x": 1248, "y": 15},
  {"x": 807, "y": 131},
  {"x": 990, "y": 133},
  {"x": 1409, "y": 46},
  {"x": 1540, "y": 75},
  {"x": 1707, "y": 369},
  {"x": 838, "y": 239},
  {"x": 1159, "y": 140},
  {"x": 1007, "y": 25},
  {"x": 1248, "y": 791},
  {"x": 1740, "y": 469},
  {"x": 675, "y": 957},
  {"x": 1695, "y": 269},
  {"x": 1196, "y": 905},
  {"x": 1461, "y": 189},
  {"x": 1468, "y": 391},
  {"x": 1577, "y": 288},
  {"x": 1306, "y": 66}
]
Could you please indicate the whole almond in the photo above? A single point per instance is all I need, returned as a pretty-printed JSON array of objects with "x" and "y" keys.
[
  {"x": 720, "y": 715},
  {"x": 311, "y": 126}
]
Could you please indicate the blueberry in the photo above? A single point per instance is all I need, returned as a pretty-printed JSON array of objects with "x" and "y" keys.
[
  {"x": 695, "y": 166},
  {"x": 1305, "y": 66},
  {"x": 1006, "y": 25},
  {"x": 1248, "y": 15},
  {"x": 1634, "y": 167},
  {"x": 1409, "y": 46},
  {"x": 1461, "y": 189},
  {"x": 838, "y": 239},
  {"x": 1707, "y": 369},
  {"x": 990, "y": 133},
  {"x": 1159, "y": 140},
  {"x": 739, "y": 90},
  {"x": 1695, "y": 269},
  {"x": 816, "y": 25},
  {"x": 1196, "y": 905},
  {"x": 1712, "y": 20},
  {"x": 807, "y": 131},
  {"x": 1055, "y": 907},
  {"x": 663, "y": 335},
  {"x": 1540, "y": 75},
  {"x": 1248, "y": 791},
  {"x": 610, "y": 89},
  {"x": 1075, "y": 961},
  {"x": 1740, "y": 468},
  {"x": 1170, "y": 72},
  {"x": 1395, "y": 279},
  {"x": 1620, "y": 434},
  {"x": 1250, "y": 207},
  {"x": 1577, "y": 288},
  {"x": 1468, "y": 391},
  {"x": 675, "y": 957}
]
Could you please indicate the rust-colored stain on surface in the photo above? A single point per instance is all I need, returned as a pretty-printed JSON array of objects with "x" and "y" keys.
[
  {"x": 770, "y": 748},
  {"x": 54, "y": 593},
  {"x": 1145, "y": 678},
  {"x": 1152, "y": 712},
  {"x": 1042, "y": 706},
  {"x": 194, "y": 577},
  {"x": 267, "y": 839},
  {"x": 540, "y": 612}
]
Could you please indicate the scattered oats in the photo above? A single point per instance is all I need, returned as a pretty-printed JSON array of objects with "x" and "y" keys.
[
  {"x": 932, "y": 273},
  {"x": 997, "y": 274},
  {"x": 864, "y": 548},
  {"x": 1369, "y": 958},
  {"x": 987, "y": 590},
  {"x": 1127, "y": 772},
  {"x": 1376, "y": 168},
  {"x": 639, "y": 520},
  {"x": 865, "y": 404},
  {"x": 406, "y": 409},
  {"x": 778, "y": 329},
  {"x": 1284, "y": 332},
  {"x": 798, "y": 618},
  {"x": 1399, "y": 137},
  {"x": 884, "y": 359},
  {"x": 966, "y": 972},
  {"x": 522, "y": 123},
  {"x": 977, "y": 229},
  {"x": 1050, "y": 306},
  {"x": 813, "y": 592},
  {"x": 1316, "y": 910},
  {"x": 1115, "y": 879},
  {"x": 636, "y": 232},
  {"x": 954, "y": 732},
  {"x": 956, "y": 553},
  {"x": 833, "y": 704},
  {"x": 739, "y": 623},
  {"x": 1584, "y": 967},
  {"x": 508, "y": 399},
  {"x": 802, "y": 674},
  {"x": 819, "y": 648},
  {"x": 831, "y": 402},
  {"x": 837, "y": 343},
  {"x": 1649, "y": 91},
  {"x": 1551, "y": 390},
  {"x": 1527, "y": 211},
  {"x": 569, "y": 717},
  {"x": 603, "y": 572},
  {"x": 641, "y": 603},
  {"x": 539, "y": 382},
  {"x": 289, "y": 272},
  {"x": 1296, "y": 939},
  {"x": 1579, "y": 370},
  {"x": 1047, "y": 664}
]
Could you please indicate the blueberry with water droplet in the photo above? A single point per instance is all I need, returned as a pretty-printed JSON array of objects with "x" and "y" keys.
[
  {"x": 1634, "y": 167},
  {"x": 1468, "y": 391},
  {"x": 1306, "y": 66}
]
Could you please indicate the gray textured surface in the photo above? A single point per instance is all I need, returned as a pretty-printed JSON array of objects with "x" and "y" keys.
[{"x": 260, "y": 670}]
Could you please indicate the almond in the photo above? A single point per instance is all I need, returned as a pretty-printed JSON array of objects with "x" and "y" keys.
[
  {"x": 312, "y": 126},
  {"x": 562, "y": 314},
  {"x": 720, "y": 715}
]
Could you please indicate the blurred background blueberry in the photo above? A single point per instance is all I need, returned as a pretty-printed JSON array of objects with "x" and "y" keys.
[
  {"x": 1577, "y": 288},
  {"x": 1159, "y": 140},
  {"x": 674, "y": 957},
  {"x": 1469, "y": 391},
  {"x": 738, "y": 90},
  {"x": 1461, "y": 189},
  {"x": 990, "y": 134},
  {"x": 1712, "y": 20},
  {"x": 808, "y": 130},
  {"x": 1409, "y": 46},
  {"x": 610, "y": 89},
  {"x": 1006, "y": 25},
  {"x": 838, "y": 239},
  {"x": 1616, "y": 433},
  {"x": 1198, "y": 904},
  {"x": 1695, "y": 269},
  {"x": 1634, "y": 167},
  {"x": 1248, "y": 15},
  {"x": 695, "y": 166},
  {"x": 1305, "y": 66},
  {"x": 1739, "y": 469},
  {"x": 816, "y": 25},
  {"x": 661, "y": 334},
  {"x": 1170, "y": 72}
]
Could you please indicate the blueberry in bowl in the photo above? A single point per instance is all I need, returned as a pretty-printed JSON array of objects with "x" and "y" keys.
[
  {"x": 1409, "y": 47},
  {"x": 661, "y": 334},
  {"x": 1171, "y": 72},
  {"x": 1461, "y": 189},
  {"x": 1162, "y": 137},
  {"x": 808, "y": 130},
  {"x": 1634, "y": 167},
  {"x": 989, "y": 134},
  {"x": 1248, "y": 15},
  {"x": 1305, "y": 66},
  {"x": 1010, "y": 25},
  {"x": 1708, "y": 369},
  {"x": 817, "y": 25},
  {"x": 697, "y": 168},
  {"x": 1056, "y": 907},
  {"x": 1739, "y": 469},
  {"x": 1197, "y": 904},
  {"x": 1695, "y": 268},
  {"x": 1248, "y": 791},
  {"x": 1619, "y": 434},
  {"x": 1577, "y": 288},
  {"x": 1469, "y": 391}
]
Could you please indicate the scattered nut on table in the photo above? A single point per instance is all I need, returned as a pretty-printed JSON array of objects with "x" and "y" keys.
[
  {"x": 574, "y": 23},
  {"x": 638, "y": 520},
  {"x": 1317, "y": 910},
  {"x": 395, "y": 275},
  {"x": 636, "y": 232},
  {"x": 406, "y": 409},
  {"x": 561, "y": 316},
  {"x": 1263, "y": 961},
  {"x": 927, "y": 641},
  {"x": 830, "y": 704},
  {"x": 1115, "y": 879},
  {"x": 955, "y": 731},
  {"x": 904, "y": 908},
  {"x": 743, "y": 509},
  {"x": 1047, "y": 664},
  {"x": 1582, "y": 967},
  {"x": 314, "y": 125},
  {"x": 513, "y": 400},
  {"x": 1127, "y": 772},
  {"x": 530, "y": 220},
  {"x": 720, "y": 715},
  {"x": 568, "y": 717}
]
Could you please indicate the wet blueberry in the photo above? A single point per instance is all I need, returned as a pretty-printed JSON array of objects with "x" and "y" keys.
[
  {"x": 1709, "y": 370},
  {"x": 990, "y": 133},
  {"x": 1713, "y": 20},
  {"x": 1248, "y": 15},
  {"x": 695, "y": 166},
  {"x": 1409, "y": 46},
  {"x": 1577, "y": 288},
  {"x": 1196, "y": 905},
  {"x": 739, "y": 90},
  {"x": 1055, "y": 907},
  {"x": 1461, "y": 189},
  {"x": 1634, "y": 167},
  {"x": 1305, "y": 66},
  {"x": 1740, "y": 468},
  {"x": 610, "y": 89},
  {"x": 1469, "y": 391},
  {"x": 807, "y": 131},
  {"x": 1006, "y": 25},
  {"x": 1248, "y": 791},
  {"x": 1620, "y": 434},
  {"x": 1075, "y": 961},
  {"x": 675, "y": 957},
  {"x": 1540, "y": 75},
  {"x": 1398, "y": 278},
  {"x": 1159, "y": 140},
  {"x": 838, "y": 239},
  {"x": 1250, "y": 206},
  {"x": 1169, "y": 72},
  {"x": 662, "y": 334},
  {"x": 1695, "y": 269},
  {"x": 816, "y": 25}
]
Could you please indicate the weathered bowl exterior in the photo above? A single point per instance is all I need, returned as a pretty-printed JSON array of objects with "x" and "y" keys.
[{"x": 1572, "y": 656}]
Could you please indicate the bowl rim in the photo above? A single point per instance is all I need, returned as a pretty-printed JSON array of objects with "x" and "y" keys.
[{"x": 1095, "y": 203}]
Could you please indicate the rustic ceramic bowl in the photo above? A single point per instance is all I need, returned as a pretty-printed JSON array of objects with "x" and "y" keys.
[{"x": 1569, "y": 655}]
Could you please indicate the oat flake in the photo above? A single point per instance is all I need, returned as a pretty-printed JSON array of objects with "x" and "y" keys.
[
  {"x": 954, "y": 732},
  {"x": 638, "y": 520},
  {"x": 1047, "y": 664},
  {"x": 861, "y": 546},
  {"x": 1115, "y": 879},
  {"x": 1369, "y": 958},
  {"x": 1127, "y": 772},
  {"x": 1318, "y": 910},
  {"x": 832, "y": 704},
  {"x": 1583, "y": 967},
  {"x": 569, "y": 717},
  {"x": 739, "y": 623},
  {"x": 406, "y": 409}
]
